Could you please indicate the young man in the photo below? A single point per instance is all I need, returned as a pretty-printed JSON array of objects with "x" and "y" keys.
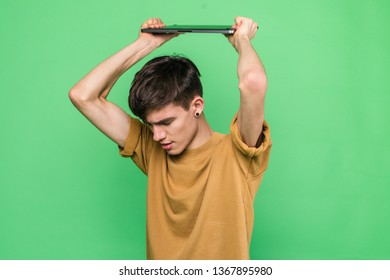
[{"x": 201, "y": 184}]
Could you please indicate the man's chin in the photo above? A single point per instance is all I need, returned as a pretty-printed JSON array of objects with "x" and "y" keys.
[{"x": 174, "y": 152}]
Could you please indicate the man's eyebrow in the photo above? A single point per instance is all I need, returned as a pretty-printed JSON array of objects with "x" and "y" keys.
[{"x": 163, "y": 121}]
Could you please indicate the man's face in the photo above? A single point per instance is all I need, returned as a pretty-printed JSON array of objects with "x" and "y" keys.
[{"x": 174, "y": 128}]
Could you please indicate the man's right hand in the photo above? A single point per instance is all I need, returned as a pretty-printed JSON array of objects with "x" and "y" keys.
[{"x": 159, "y": 39}]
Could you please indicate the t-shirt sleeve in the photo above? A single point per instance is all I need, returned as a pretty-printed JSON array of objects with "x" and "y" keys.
[
  {"x": 253, "y": 160},
  {"x": 138, "y": 145}
]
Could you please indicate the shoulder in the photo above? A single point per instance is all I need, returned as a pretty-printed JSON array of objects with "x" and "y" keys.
[
  {"x": 139, "y": 136},
  {"x": 239, "y": 144}
]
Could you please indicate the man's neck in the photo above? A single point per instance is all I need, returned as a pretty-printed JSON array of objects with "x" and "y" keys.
[{"x": 203, "y": 134}]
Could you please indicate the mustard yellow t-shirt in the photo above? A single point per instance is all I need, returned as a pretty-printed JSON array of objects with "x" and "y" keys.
[{"x": 199, "y": 203}]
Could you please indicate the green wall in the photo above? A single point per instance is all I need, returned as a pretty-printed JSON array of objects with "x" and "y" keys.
[{"x": 65, "y": 193}]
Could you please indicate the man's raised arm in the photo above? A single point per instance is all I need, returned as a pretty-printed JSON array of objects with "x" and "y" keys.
[
  {"x": 89, "y": 95},
  {"x": 252, "y": 82}
]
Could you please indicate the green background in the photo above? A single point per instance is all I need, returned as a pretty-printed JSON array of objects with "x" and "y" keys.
[{"x": 65, "y": 193}]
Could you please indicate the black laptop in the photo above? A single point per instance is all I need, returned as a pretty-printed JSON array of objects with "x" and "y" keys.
[{"x": 223, "y": 29}]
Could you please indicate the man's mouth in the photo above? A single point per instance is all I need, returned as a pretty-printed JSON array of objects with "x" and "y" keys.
[{"x": 166, "y": 146}]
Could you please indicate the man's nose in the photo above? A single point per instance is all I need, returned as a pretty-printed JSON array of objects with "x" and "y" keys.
[{"x": 158, "y": 134}]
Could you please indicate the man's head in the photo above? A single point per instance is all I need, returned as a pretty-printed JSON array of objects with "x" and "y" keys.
[
  {"x": 167, "y": 95},
  {"x": 162, "y": 81}
]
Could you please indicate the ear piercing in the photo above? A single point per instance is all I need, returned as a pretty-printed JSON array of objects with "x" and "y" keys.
[{"x": 197, "y": 115}]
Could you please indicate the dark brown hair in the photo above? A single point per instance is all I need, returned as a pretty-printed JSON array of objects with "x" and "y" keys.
[{"x": 162, "y": 81}]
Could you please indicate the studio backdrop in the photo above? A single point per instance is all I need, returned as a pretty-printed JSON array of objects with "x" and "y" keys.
[{"x": 65, "y": 193}]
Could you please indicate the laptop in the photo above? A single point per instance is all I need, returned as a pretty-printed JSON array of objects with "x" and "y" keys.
[{"x": 177, "y": 28}]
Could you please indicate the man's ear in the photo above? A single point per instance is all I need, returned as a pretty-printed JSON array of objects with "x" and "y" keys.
[{"x": 197, "y": 104}]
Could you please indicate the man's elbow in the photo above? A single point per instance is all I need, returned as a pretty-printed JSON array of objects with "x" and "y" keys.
[
  {"x": 254, "y": 82},
  {"x": 77, "y": 97}
]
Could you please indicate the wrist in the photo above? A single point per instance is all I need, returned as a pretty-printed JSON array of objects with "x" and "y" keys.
[
  {"x": 147, "y": 43},
  {"x": 241, "y": 42}
]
